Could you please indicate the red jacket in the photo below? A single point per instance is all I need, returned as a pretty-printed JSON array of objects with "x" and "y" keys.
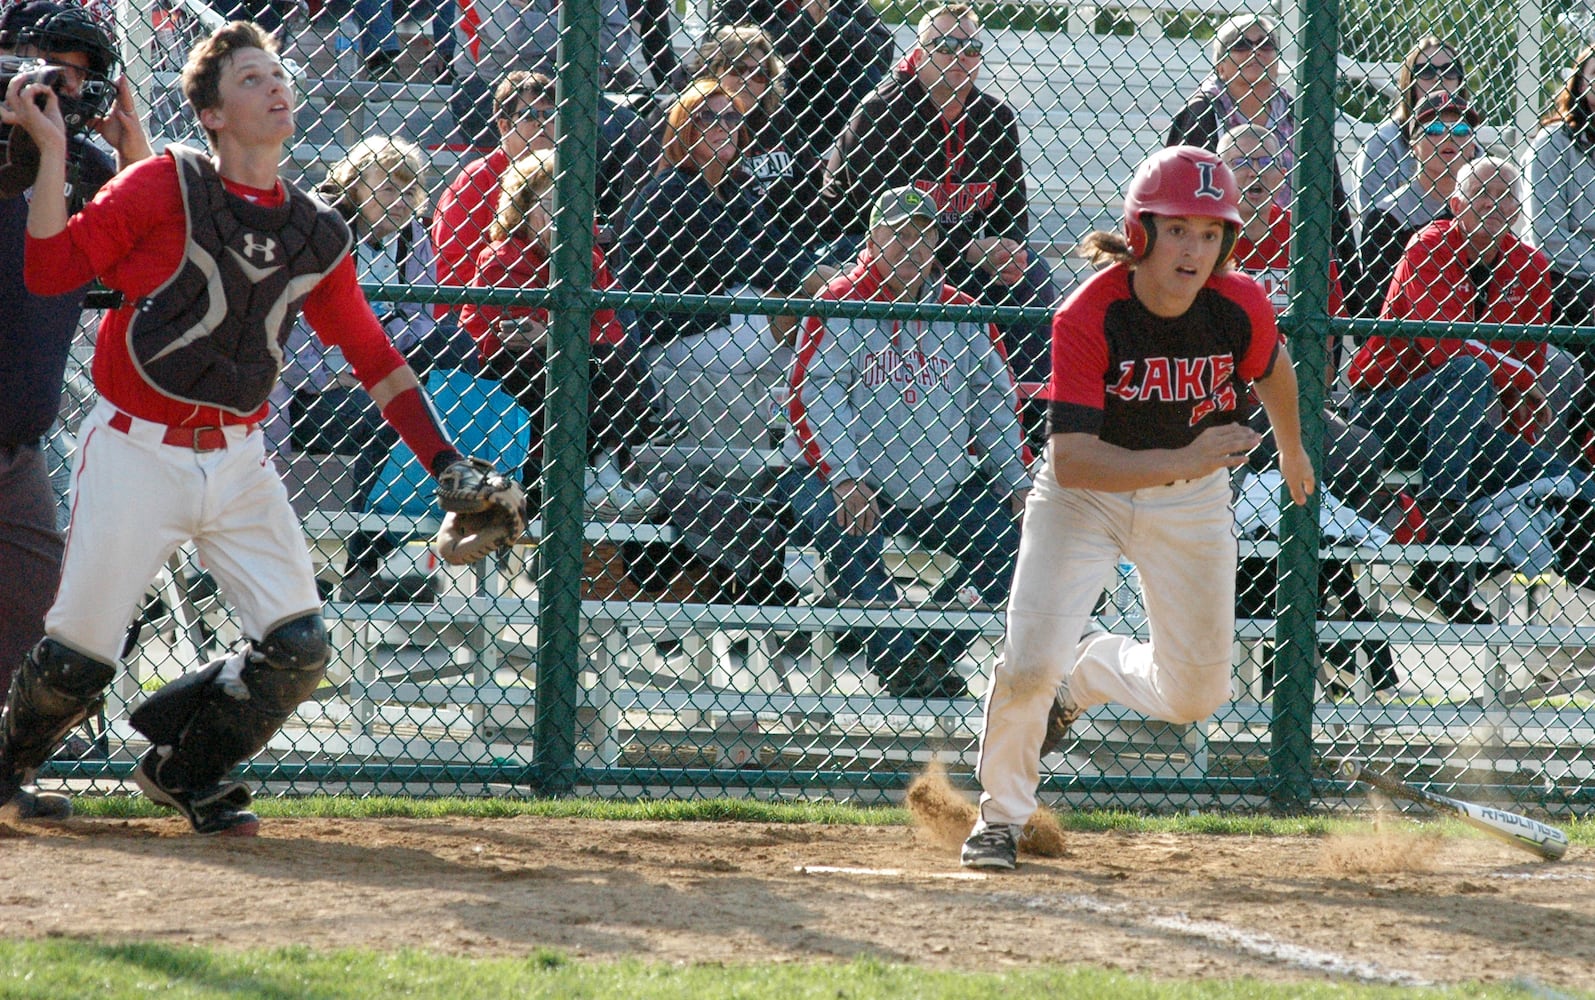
[
  {"x": 1431, "y": 282},
  {"x": 464, "y": 213},
  {"x": 519, "y": 263}
]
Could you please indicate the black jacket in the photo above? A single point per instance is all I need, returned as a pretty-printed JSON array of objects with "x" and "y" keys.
[{"x": 898, "y": 137}]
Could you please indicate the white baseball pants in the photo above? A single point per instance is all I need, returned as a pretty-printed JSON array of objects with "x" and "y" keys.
[
  {"x": 136, "y": 500},
  {"x": 1182, "y": 540}
]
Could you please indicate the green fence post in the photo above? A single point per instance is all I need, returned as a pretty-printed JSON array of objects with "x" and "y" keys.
[
  {"x": 1307, "y": 328},
  {"x": 559, "y": 623}
]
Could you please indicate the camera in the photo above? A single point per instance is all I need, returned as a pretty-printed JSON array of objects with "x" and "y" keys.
[{"x": 94, "y": 100}]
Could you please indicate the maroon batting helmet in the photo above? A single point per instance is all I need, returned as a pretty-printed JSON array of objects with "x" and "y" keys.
[{"x": 1180, "y": 180}]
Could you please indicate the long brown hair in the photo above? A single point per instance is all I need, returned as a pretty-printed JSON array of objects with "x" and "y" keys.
[{"x": 1571, "y": 109}]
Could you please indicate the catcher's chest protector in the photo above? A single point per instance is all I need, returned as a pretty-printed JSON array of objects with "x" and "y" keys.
[{"x": 213, "y": 334}]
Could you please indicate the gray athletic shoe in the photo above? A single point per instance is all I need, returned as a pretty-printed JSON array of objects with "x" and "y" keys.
[
  {"x": 994, "y": 845},
  {"x": 216, "y": 810},
  {"x": 28, "y": 802}
]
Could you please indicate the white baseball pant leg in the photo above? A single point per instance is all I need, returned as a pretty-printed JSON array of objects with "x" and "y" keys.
[
  {"x": 135, "y": 500},
  {"x": 1182, "y": 540}
]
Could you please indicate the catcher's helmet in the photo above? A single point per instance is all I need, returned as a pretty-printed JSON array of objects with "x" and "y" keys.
[
  {"x": 1180, "y": 180},
  {"x": 57, "y": 27}
]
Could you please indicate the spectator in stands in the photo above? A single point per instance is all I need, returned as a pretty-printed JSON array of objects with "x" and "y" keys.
[
  {"x": 781, "y": 163},
  {"x": 836, "y": 52},
  {"x": 498, "y": 37},
  {"x": 930, "y": 126},
  {"x": 1440, "y": 132},
  {"x": 523, "y": 109},
  {"x": 1385, "y": 161},
  {"x": 512, "y": 341},
  {"x": 1353, "y": 462},
  {"x": 1559, "y": 173},
  {"x": 906, "y": 427},
  {"x": 696, "y": 228},
  {"x": 380, "y": 44},
  {"x": 1464, "y": 411},
  {"x": 1244, "y": 88},
  {"x": 378, "y": 188}
]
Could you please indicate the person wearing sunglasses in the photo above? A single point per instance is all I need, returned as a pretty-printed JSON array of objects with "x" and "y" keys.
[
  {"x": 696, "y": 228},
  {"x": 931, "y": 126},
  {"x": 1244, "y": 89},
  {"x": 1385, "y": 161},
  {"x": 1475, "y": 415},
  {"x": 835, "y": 52},
  {"x": 781, "y": 166},
  {"x": 1441, "y": 134}
]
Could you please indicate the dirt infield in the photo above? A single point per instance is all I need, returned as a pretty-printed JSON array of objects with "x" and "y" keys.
[{"x": 1387, "y": 908}]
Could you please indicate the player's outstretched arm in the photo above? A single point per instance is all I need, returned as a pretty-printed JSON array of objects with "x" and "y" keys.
[{"x": 1278, "y": 393}]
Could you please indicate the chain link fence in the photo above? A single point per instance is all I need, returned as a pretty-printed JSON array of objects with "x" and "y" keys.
[{"x": 774, "y": 423}]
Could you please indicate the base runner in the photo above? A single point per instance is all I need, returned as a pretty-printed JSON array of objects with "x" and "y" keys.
[
  {"x": 215, "y": 256},
  {"x": 1146, "y": 411}
]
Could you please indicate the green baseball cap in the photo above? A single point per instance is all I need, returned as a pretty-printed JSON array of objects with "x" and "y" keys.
[{"x": 900, "y": 204}]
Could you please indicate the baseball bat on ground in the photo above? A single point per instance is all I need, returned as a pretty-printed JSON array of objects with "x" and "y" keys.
[{"x": 1531, "y": 835}]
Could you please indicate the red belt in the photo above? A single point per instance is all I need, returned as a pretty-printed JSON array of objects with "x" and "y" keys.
[{"x": 193, "y": 438}]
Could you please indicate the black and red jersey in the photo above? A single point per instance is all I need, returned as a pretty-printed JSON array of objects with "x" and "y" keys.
[{"x": 1140, "y": 381}]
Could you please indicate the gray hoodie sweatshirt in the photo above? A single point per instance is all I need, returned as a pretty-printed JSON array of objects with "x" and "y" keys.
[{"x": 912, "y": 408}]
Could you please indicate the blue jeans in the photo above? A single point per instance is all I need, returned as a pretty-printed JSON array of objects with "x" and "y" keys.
[
  {"x": 1445, "y": 423},
  {"x": 376, "y": 24},
  {"x": 974, "y": 526}
]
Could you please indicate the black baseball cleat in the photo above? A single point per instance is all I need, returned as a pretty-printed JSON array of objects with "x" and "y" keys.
[
  {"x": 993, "y": 845},
  {"x": 218, "y": 810}
]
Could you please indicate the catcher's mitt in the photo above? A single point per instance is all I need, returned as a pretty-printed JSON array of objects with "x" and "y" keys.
[{"x": 484, "y": 511}]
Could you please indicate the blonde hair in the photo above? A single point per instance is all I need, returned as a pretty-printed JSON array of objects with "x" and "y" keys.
[
  {"x": 398, "y": 158},
  {"x": 681, "y": 133},
  {"x": 730, "y": 45},
  {"x": 524, "y": 183},
  {"x": 959, "y": 12}
]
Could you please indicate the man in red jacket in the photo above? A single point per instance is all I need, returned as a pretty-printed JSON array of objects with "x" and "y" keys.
[{"x": 1463, "y": 410}]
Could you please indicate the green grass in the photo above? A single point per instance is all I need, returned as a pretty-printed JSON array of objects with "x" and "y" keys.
[
  {"x": 1579, "y": 831},
  {"x": 50, "y": 970}
]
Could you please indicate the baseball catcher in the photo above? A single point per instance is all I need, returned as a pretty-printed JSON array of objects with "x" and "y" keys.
[{"x": 484, "y": 511}]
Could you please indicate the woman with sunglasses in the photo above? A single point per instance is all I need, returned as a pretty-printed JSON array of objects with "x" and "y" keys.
[
  {"x": 696, "y": 229},
  {"x": 1385, "y": 161},
  {"x": 781, "y": 167},
  {"x": 1441, "y": 134},
  {"x": 1559, "y": 174}
]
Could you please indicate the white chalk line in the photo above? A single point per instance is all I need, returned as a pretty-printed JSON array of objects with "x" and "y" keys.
[
  {"x": 1226, "y": 935},
  {"x": 1544, "y": 876},
  {"x": 1253, "y": 943}
]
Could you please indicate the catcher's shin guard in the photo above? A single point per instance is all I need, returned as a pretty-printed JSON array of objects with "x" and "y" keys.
[
  {"x": 220, "y": 716},
  {"x": 55, "y": 689}
]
